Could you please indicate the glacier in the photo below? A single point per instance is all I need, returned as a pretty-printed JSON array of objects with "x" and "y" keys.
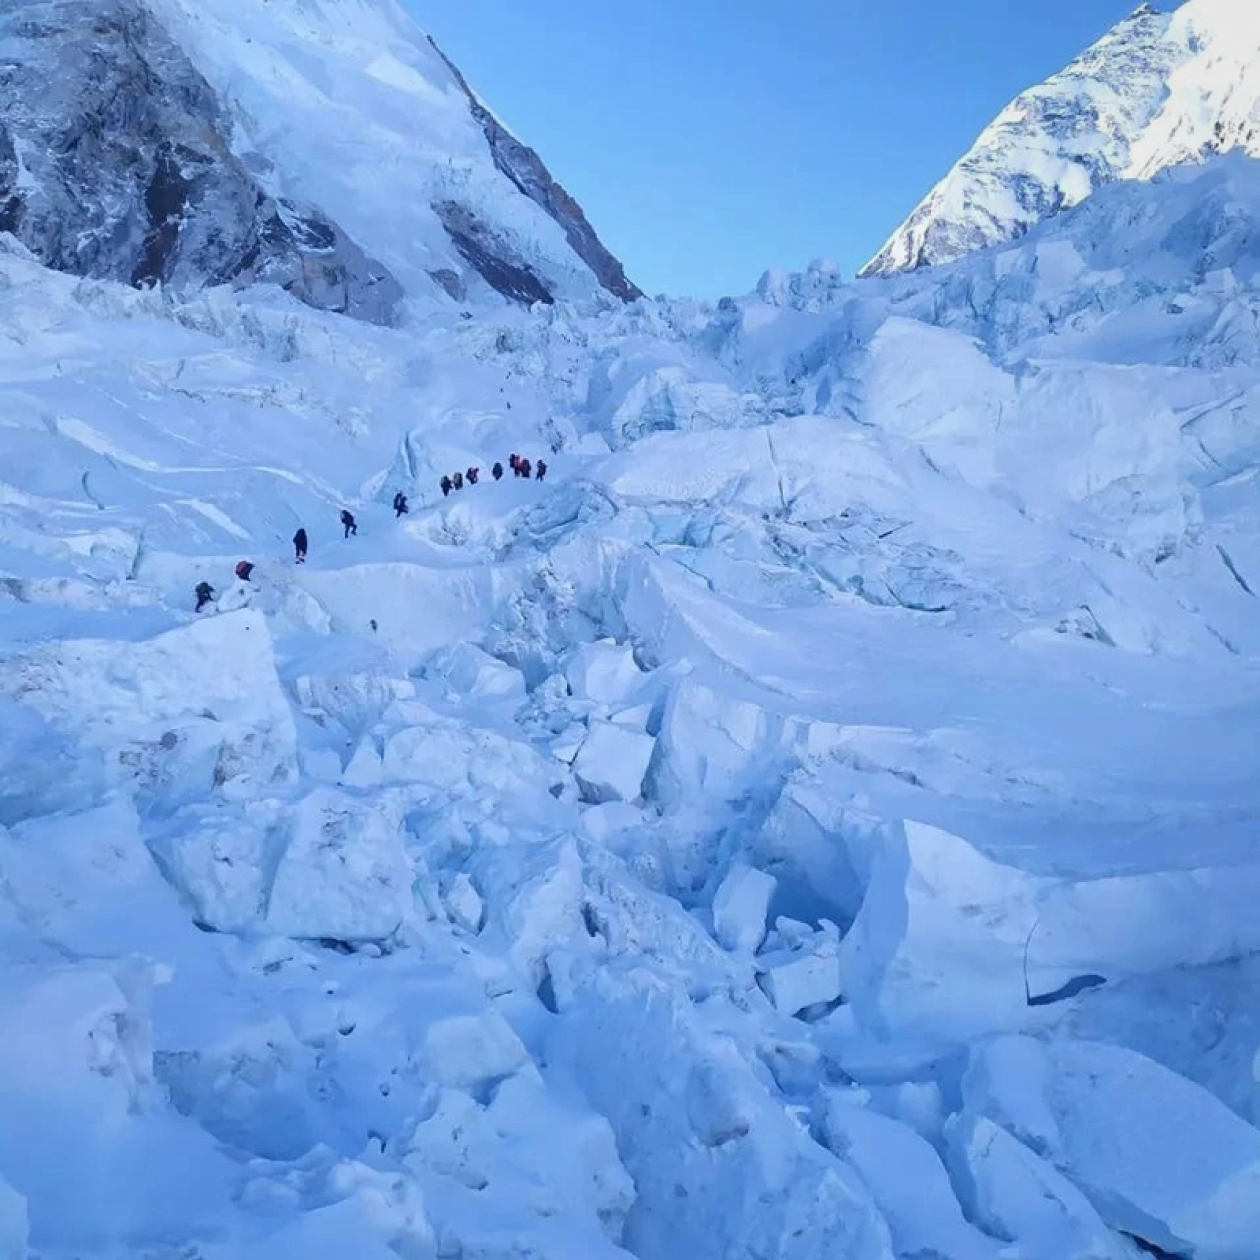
[{"x": 818, "y": 821}]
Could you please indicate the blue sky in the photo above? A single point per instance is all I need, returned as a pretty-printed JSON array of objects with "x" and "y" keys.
[{"x": 709, "y": 139}]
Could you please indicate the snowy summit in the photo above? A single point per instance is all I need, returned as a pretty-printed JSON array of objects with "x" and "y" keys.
[
  {"x": 1160, "y": 89},
  {"x": 494, "y": 766}
]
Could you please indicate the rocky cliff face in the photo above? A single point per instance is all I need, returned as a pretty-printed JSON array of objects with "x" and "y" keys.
[
  {"x": 325, "y": 147},
  {"x": 347, "y": 105},
  {"x": 529, "y": 174},
  {"x": 1157, "y": 90},
  {"x": 115, "y": 163}
]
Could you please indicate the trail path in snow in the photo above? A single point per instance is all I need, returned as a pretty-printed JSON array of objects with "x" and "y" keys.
[{"x": 640, "y": 862}]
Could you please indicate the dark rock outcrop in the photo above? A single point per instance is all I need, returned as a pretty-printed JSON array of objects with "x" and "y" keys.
[
  {"x": 527, "y": 171},
  {"x": 115, "y": 164},
  {"x": 490, "y": 256}
]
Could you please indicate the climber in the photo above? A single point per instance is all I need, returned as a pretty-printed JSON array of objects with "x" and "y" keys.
[
  {"x": 458, "y": 481},
  {"x": 299, "y": 546},
  {"x": 497, "y": 471},
  {"x": 446, "y": 485},
  {"x": 205, "y": 593},
  {"x": 513, "y": 463},
  {"x": 523, "y": 467},
  {"x": 347, "y": 519},
  {"x": 473, "y": 474},
  {"x": 542, "y": 469},
  {"x": 400, "y": 505},
  {"x": 244, "y": 569}
]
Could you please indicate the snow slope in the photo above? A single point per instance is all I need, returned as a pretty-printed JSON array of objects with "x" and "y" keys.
[
  {"x": 353, "y": 109},
  {"x": 326, "y": 148},
  {"x": 1158, "y": 90},
  {"x": 818, "y": 820}
]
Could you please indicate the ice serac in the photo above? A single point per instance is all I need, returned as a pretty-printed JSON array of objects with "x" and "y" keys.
[
  {"x": 116, "y": 163},
  {"x": 1105, "y": 1117},
  {"x": 1157, "y": 90}
]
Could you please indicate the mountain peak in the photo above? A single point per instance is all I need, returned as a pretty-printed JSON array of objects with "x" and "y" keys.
[
  {"x": 325, "y": 147},
  {"x": 1160, "y": 88}
]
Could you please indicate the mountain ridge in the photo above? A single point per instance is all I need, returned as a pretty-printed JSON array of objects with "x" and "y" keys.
[
  {"x": 247, "y": 144},
  {"x": 527, "y": 171},
  {"x": 1129, "y": 106}
]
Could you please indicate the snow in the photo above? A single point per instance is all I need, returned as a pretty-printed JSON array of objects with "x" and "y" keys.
[
  {"x": 1014, "y": 1194},
  {"x": 819, "y": 820},
  {"x": 740, "y": 907},
  {"x": 84, "y": 1135},
  {"x": 612, "y": 761},
  {"x": 210, "y": 709},
  {"x": 352, "y": 109},
  {"x": 604, "y": 672},
  {"x": 907, "y": 1179},
  {"x": 1158, "y": 90},
  {"x": 344, "y": 873},
  {"x": 1107, "y": 1113},
  {"x": 795, "y": 980},
  {"x": 469, "y": 1051},
  {"x": 464, "y": 903},
  {"x": 937, "y": 909}
]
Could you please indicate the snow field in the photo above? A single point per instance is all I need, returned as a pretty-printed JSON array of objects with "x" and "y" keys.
[{"x": 827, "y": 837}]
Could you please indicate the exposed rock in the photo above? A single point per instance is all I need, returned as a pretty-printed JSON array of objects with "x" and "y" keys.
[
  {"x": 118, "y": 166},
  {"x": 10, "y": 202},
  {"x": 490, "y": 255},
  {"x": 450, "y": 281},
  {"x": 529, "y": 173},
  {"x": 1050, "y": 148}
]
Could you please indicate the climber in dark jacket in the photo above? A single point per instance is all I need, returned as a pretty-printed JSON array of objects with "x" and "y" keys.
[
  {"x": 523, "y": 467},
  {"x": 299, "y": 547},
  {"x": 497, "y": 471},
  {"x": 205, "y": 593},
  {"x": 347, "y": 519},
  {"x": 400, "y": 504},
  {"x": 458, "y": 481},
  {"x": 514, "y": 461},
  {"x": 473, "y": 475},
  {"x": 542, "y": 469},
  {"x": 446, "y": 485}
]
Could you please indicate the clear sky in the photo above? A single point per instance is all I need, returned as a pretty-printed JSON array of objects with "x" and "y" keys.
[{"x": 710, "y": 139}]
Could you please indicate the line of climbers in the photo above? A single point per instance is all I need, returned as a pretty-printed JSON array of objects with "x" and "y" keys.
[
  {"x": 205, "y": 592},
  {"x": 521, "y": 467}
]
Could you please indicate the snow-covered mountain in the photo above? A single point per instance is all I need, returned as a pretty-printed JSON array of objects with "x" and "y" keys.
[
  {"x": 325, "y": 147},
  {"x": 1158, "y": 90},
  {"x": 817, "y": 821}
]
